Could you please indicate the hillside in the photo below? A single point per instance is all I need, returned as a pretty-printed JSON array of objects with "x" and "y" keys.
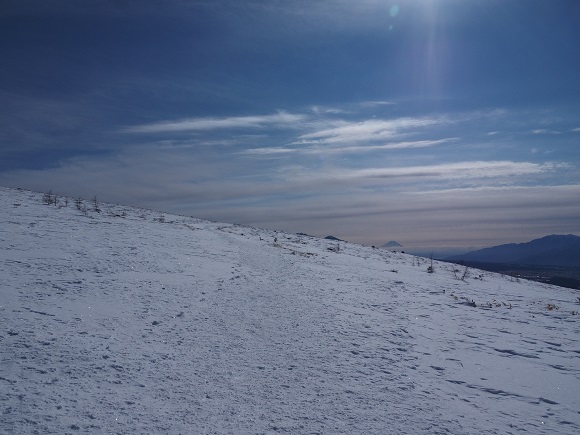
[
  {"x": 132, "y": 321},
  {"x": 554, "y": 250}
]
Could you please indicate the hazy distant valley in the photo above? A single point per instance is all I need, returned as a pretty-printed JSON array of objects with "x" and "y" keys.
[{"x": 553, "y": 259}]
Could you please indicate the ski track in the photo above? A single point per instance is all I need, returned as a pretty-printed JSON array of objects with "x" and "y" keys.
[{"x": 125, "y": 324}]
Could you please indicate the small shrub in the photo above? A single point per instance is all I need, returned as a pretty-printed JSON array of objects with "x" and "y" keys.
[
  {"x": 48, "y": 198},
  {"x": 335, "y": 248}
]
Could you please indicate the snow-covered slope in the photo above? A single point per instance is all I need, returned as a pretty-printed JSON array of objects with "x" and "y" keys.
[{"x": 122, "y": 322}]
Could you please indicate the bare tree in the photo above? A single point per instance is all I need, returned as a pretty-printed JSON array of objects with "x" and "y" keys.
[
  {"x": 455, "y": 270},
  {"x": 465, "y": 274},
  {"x": 95, "y": 202}
]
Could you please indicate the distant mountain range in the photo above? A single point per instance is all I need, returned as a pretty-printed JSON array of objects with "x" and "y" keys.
[{"x": 554, "y": 250}]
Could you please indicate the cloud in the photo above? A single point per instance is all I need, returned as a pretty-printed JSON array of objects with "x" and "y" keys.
[
  {"x": 544, "y": 131},
  {"x": 369, "y": 130},
  {"x": 270, "y": 150},
  {"x": 350, "y": 108},
  {"x": 314, "y": 133},
  {"x": 388, "y": 146},
  {"x": 366, "y": 104},
  {"x": 418, "y": 205},
  {"x": 317, "y": 134},
  {"x": 321, "y": 110},
  {"x": 280, "y": 119},
  {"x": 445, "y": 171},
  {"x": 346, "y": 149}
]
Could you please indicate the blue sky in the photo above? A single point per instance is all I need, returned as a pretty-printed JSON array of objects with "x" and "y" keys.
[{"x": 436, "y": 123}]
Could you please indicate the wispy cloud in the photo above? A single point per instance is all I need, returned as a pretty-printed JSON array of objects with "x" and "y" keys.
[
  {"x": 369, "y": 130},
  {"x": 388, "y": 146},
  {"x": 313, "y": 133},
  {"x": 270, "y": 150},
  {"x": 349, "y": 149},
  {"x": 477, "y": 169},
  {"x": 446, "y": 171},
  {"x": 279, "y": 119},
  {"x": 322, "y": 110},
  {"x": 375, "y": 103},
  {"x": 544, "y": 131},
  {"x": 350, "y": 108}
]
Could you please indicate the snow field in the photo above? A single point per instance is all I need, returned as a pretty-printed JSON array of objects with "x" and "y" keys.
[{"x": 115, "y": 323}]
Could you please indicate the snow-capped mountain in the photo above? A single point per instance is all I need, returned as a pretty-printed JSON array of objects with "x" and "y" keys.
[{"x": 132, "y": 321}]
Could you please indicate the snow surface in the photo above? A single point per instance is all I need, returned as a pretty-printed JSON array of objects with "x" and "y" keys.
[{"x": 116, "y": 322}]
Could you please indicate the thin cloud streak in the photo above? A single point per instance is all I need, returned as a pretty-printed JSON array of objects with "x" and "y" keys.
[
  {"x": 345, "y": 150},
  {"x": 322, "y": 110},
  {"x": 370, "y": 130},
  {"x": 270, "y": 151},
  {"x": 376, "y": 103},
  {"x": 447, "y": 171},
  {"x": 545, "y": 131},
  {"x": 280, "y": 119}
]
